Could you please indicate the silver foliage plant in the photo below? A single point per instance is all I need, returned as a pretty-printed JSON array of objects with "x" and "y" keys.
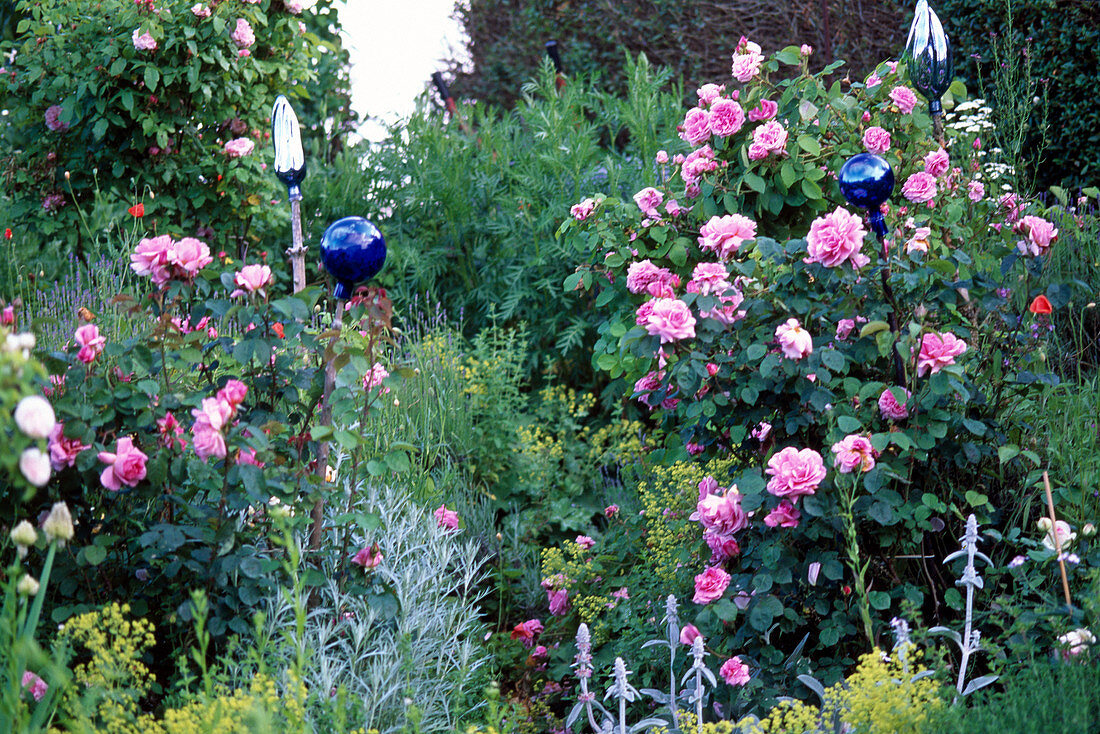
[{"x": 404, "y": 668}]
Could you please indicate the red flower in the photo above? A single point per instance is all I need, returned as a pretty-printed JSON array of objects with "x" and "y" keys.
[
  {"x": 7, "y": 233},
  {"x": 1040, "y": 305},
  {"x": 846, "y": 589},
  {"x": 137, "y": 210},
  {"x": 278, "y": 329}
]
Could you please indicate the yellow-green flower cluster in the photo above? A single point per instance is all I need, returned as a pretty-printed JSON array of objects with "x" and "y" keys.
[
  {"x": 787, "y": 717},
  {"x": 261, "y": 708},
  {"x": 881, "y": 697},
  {"x": 116, "y": 645},
  {"x": 619, "y": 441}
]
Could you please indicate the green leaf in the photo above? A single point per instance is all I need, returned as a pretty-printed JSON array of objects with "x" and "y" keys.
[
  {"x": 873, "y": 327},
  {"x": 94, "y": 555},
  {"x": 1007, "y": 453},
  {"x": 848, "y": 424},
  {"x": 152, "y": 76},
  {"x": 879, "y": 600},
  {"x": 763, "y": 612},
  {"x": 99, "y": 129},
  {"x": 976, "y": 499},
  {"x": 811, "y": 190},
  {"x": 678, "y": 255},
  {"x": 834, "y": 360},
  {"x": 789, "y": 56},
  {"x": 320, "y": 433},
  {"x": 572, "y": 282},
  {"x": 807, "y": 110},
  {"x": 882, "y": 513},
  {"x": 809, "y": 144},
  {"x": 754, "y": 182}
]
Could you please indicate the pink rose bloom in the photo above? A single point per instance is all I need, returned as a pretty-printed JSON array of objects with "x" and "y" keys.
[
  {"x": 771, "y": 136},
  {"x": 125, "y": 466},
  {"x": 583, "y": 210},
  {"x": 876, "y": 140},
  {"x": 975, "y": 190},
  {"x": 708, "y": 485},
  {"x": 726, "y": 117},
  {"x": 233, "y": 393},
  {"x": 368, "y": 557},
  {"x": 806, "y": 50},
  {"x": 242, "y": 35},
  {"x": 674, "y": 209},
  {"x": 671, "y": 320},
  {"x": 708, "y": 93},
  {"x": 1040, "y": 234},
  {"x": 937, "y": 163},
  {"x": 938, "y": 351},
  {"x": 904, "y": 98},
  {"x": 641, "y": 274},
  {"x": 150, "y": 257},
  {"x": 795, "y": 473},
  {"x": 710, "y": 585},
  {"x": 844, "y": 328},
  {"x": 710, "y": 278},
  {"x": 143, "y": 41},
  {"x": 762, "y": 430},
  {"x": 90, "y": 342},
  {"x": 252, "y": 278},
  {"x": 35, "y": 685},
  {"x": 63, "y": 451},
  {"x": 765, "y": 111},
  {"x": 1012, "y": 205},
  {"x": 734, "y": 672},
  {"x": 696, "y": 126},
  {"x": 722, "y": 547},
  {"x": 188, "y": 256},
  {"x": 200, "y": 11},
  {"x": 874, "y": 80},
  {"x": 757, "y": 152},
  {"x": 374, "y": 378},
  {"x": 247, "y": 457},
  {"x": 890, "y": 408},
  {"x": 611, "y": 511},
  {"x": 854, "y": 452},
  {"x": 585, "y": 542},
  {"x": 239, "y": 147},
  {"x": 835, "y": 239},
  {"x": 445, "y": 518},
  {"x": 724, "y": 235},
  {"x": 920, "y": 187},
  {"x": 526, "y": 632},
  {"x": 746, "y": 65},
  {"x": 211, "y": 419},
  {"x": 795, "y": 342},
  {"x": 53, "y": 119},
  {"x": 721, "y": 513},
  {"x": 697, "y": 163},
  {"x": 641, "y": 315},
  {"x": 812, "y": 572},
  {"x": 786, "y": 515},
  {"x": 559, "y": 601},
  {"x": 919, "y": 241},
  {"x": 7, "y": 316},
  {"x": 648, "y": 199},
  {"x": 688, "y": 633}
]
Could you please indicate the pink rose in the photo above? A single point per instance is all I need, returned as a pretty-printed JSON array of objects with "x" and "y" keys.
[
  {"x": 641, "y": 273},
  {"x": 734, "y": 672},
  {"x": 975, "y": 190},
  {"x": 786, "y": 515},
  {"x": 795, "y": 473},
  {"x": 7, "y": 316},
  {"x": 143, "y": 41},
  {"x": 233, "y": 393},
  {"x": 187, "y": 257},
  {"x": 34, "y": 685},
  {"x": 938, "y": 351},
  {"x": 63, "y": 451},
  {"x": 150, "y": 257},
  {"x": 844, "y": 328},
  {"x": 771, "y": 136},
  {"x": 368, "y": 557},
  {"x": 724, "y": 235},
  {"x": 526, "y": 632},
  {"x": 806, "y": 50},
  {"x": 53, "y": 119},
  {"x": 211, "y": 419},
  {"x": 445, "y": 518},
  {"x": 125, "y": 466},
  {"x": 200, "y": 11},
  {"x": 794, "y": 341},
  {"x": 721, "y": 513},
  {"x": 374, "y": 378},
  {"x": 835, "y": 239},
  {"x": 696, "y": 126},
  {"x": 889, "y": 406},
  {"x": 559, "y": 601},
  {"x": 937, "y": 163},
  {"x": 1040, "y": 234},
  {"x": 757, "y": 152},
  {"x": 697, "y": 163},
  {"x": 722, "y": 547},
  {"x": 585, "y": 542},
  {"x": 854, "y": 452},
  {"x": 710, "y": 585},
  {"x": 726, "y": 117},
  {"x": 904, "y": 98},
  {"x": 876, "y": 140},
  {"x": 920, "y": 187},
  {"x": 641, "y": 315},
  {"x": 239, "y": 147},
  {"x": 708, "y": 93},
  {"x": 90, "y": 342},
  {"x": 874, "y": 80},
  {"x": 247, "y": 457},
  {"x": 688, "y": 633},
  {"x": 765, "y": 111},
  {"x": 661, "y": 157},
  {"x": 762, "y": 430},
  {"x": 671, "y": 320},
  {"x": 611, "y": 511},
  {"x": 648, "y": 199},
  {"x": 709, "y": 278},
  {"x": 242, "y": 35},
  {"x": 582, "y": 211},
  {"x": 919, "y": 241},
  {"x": 746, "y": 65},
  {"x": 34, "y": 416},
  {"x": 252, "y": 278}
]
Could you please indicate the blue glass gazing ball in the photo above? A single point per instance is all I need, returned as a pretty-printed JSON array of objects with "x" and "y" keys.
[
  {"x": 866, "y": 180},
  {"x": 352, "y": 250}
]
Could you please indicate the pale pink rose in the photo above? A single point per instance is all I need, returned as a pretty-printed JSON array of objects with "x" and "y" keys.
[
  {"x": 975, "y": 190},
  {"x": 920, "y": 187},
  {"x": 734, "y": 672},
  {"x": 835, "y": 239},
  {"x": 648, "y": 199},
  {"x": 806, "y": 50},
  {"x": 63, "y": 451},
  {"x": 1012, "y": 205},
  {"x": 143, "y": 41},
  {"x": 708, "y": 485},
  {"x": 727, "y": 311},
  {"x": 726, "y": 117},
  {"x": 904, "y": 98},
  {"x": 710, "y": 278},
  {"x": 724, "y": 235},
  {"x": 125, "y": 466},
  {"x": 874, "y": 80},
  {"x": 34, "y": 416},
  {"x": 252, "y": 278},
  {"x": 876, "y": 140},
  {"x": 559, "y": 601},
  {"x": 200, "y": 11},
  {"x": 721, "y": 513},
  {"x": 239, "y": 147},
  {"x": 53, "y": 119},
  {"x": 710, "y": 585},
  {"x": 746, "y": 65},
  {"x": 854, "y": 452},
  {"x": 374, "y": 379},
  {"x": 762, "y": 430},
  {"x": 90, "y": 342},
  {"x": 794, "y": 341},
  {"x": 242, "y": 35},
  {"x": 445, "y": 518},
  {"x": 766, "y": 110},
  {"x": 150, "y": 257},
  {"x": 696, "y": 126},
  {"x": 771, "y": 136},
  {"x": 34, "y": 464},
  {"x": 247, "y": 456},
  {"x": 757, "y": 152},
  {"x": 671, "y": 320},
  {"x": 1040, "y": 234},
  {"x": 722, "y": 547},
  {"x": 785, "y": 515},
  {"x": 661, "y": 157},
  {"x": 795, "y": 473},
  {"x": 674, "y": 209},
  {"x": 35, "y": 685},
  {"x": 211, "y": 419},
  {"x": 919, "y": 241},
  {"x": 583, "y": 210},
  {"x": 1075, "y": 643},
  {"x": 708, "y": 93},
  {"x": 890, "y": 408},
  {"x": 369, "y": 557},
  {"x": 938, "y": 351},
  {"x": 844, "y": 328},
  {"x": 187, "y": 257},
  {"x": 937, "y": 162},
  {"x": 585, "y": 542},
  {"x": 812, "y": 572},
  {"x": 640, "y": 274},
  {"x": 233, "y": 393},
  {"x": 688, "y": 633}
]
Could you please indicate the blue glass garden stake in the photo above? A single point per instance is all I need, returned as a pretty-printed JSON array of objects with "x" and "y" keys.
[
  {"x": 928, "y": 58},
  {"x": 867, "y": 180},
  {"x": 290, "y": 168}
]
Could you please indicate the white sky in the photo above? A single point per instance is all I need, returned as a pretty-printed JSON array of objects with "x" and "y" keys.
[{"x": 395, "y": 45}]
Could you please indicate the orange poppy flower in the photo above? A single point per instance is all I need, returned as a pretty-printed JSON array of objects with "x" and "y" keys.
[
  {"x": 1040, "y": 305},
  {"x": 278, "y": 329},
  {"x": 137, "y": 210}
]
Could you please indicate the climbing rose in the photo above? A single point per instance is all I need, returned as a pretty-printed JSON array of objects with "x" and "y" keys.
[
  {"x": 734, "y": 672},
  {"x": 786, "y": 515},
  {"x": 445, "y": 518},
  {"x": 795, "y": 342},
  {"x": 771, "y": 136},
  {"x": 795, "y": 473},
  {"x": 937, "y": 162},
  {"x": 90, "y": 342},
  {"x": 671, "y": 320},
  {"x": 1040, "y": 234},
  {"x": 904, "y": 98},
  {"x": 726, "y": 117},
  {"x": 559, "y": 601},
  {"x": 583, "y": 210},
  {"x": 876, "y": 140},
  {"x": 125, "y": 466},
  {"x": 938, "y": 351},
  {"x": 890, "y": 408},
  {"x": 721, "y": 513},
  {"x": 242, "y": 35},
  {"x": 765, "y": 111},
  {"x": 975, "y": 190},
  {"x": 252, "y": 278},
  {"x": 526, "y": 632},
  {"x": 854, "y": 452},
  {"x": 708, "y": 93},
  {"x": 835, "y": 239},
  {"x": 724, "y": 235},
  {"x": 746, "y": 65},
  {"x": 239, "y": 147},
  {"x": 920, "y": 187},
  {"x": 53, "y": 119},
  {"x": 696, "y": 126},
  {"x": 143, "y": 41},
  {"x": 710, "y": 585},
  {"x": 34, "y": 416},
  {"x": 648, "y": 199}
]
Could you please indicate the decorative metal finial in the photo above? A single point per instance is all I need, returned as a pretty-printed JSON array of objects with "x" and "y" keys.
[
  {"x": 290, "y": 168},
  {"x": 928, "y": 59}
]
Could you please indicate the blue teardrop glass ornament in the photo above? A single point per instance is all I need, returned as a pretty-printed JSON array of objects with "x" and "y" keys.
[
  {"x": 928, "y": 56},
  {"x": 352, "y": 250},
  {"x": 286, "y": 136},
  {"x": 867, "y": 180}
]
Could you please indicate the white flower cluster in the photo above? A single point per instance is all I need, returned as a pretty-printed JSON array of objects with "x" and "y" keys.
[{"x": 973, "y": 118}]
